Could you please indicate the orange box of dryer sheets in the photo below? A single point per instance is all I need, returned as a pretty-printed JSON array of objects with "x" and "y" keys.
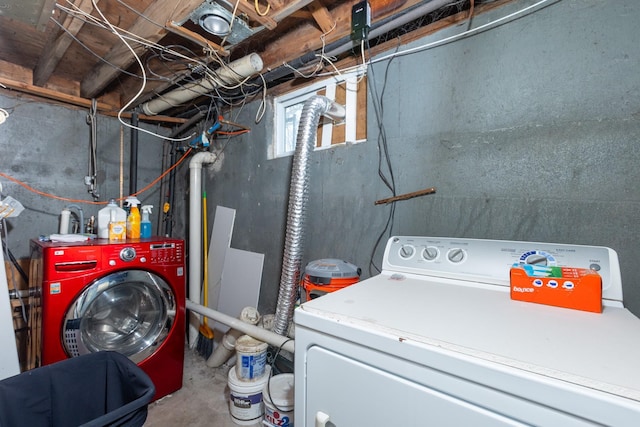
[{"x": 568, "y": 287}]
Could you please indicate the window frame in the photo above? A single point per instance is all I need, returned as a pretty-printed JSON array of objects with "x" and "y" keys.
[{"x": 298, "y": 97}]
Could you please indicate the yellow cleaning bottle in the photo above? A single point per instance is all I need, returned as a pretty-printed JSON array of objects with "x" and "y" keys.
[{"x": 133, "y": 220}]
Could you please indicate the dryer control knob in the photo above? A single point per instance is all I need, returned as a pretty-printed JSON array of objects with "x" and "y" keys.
[
  {"x": 128, "y": 254},
  {"x": 112, "y": 262}
]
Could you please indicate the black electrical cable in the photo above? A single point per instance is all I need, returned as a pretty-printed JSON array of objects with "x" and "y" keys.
[
  {"x": 273, "y": 362},
  {"x": 17, "y": 266},
  {"x": 383, "y": 156}
]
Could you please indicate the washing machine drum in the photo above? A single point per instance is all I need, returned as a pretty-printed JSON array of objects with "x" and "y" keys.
[{"x": 130, "y": 312}]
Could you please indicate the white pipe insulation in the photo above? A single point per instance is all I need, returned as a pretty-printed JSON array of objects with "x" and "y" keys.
[
  {"x": 195, "y": 236},
  {"x": 256, "y": 332},
  {"x": 230, "y": 74}
]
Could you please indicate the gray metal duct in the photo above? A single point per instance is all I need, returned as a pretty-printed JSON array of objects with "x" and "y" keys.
[{"x": 312, "y": 110}]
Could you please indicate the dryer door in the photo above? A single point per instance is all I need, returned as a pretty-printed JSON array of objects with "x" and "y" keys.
[{"x": 130, "y": 312}]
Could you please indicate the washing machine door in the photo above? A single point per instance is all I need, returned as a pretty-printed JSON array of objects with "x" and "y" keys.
[{"x": 130, "y": 312}]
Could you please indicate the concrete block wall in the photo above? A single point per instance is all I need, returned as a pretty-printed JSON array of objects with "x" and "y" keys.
[{"x": 46, "y": 146}]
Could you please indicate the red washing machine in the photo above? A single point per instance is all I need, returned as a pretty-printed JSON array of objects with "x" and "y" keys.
[{"x": 127, "y": 297}]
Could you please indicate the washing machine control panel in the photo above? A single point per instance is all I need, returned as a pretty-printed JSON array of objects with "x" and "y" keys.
[
  {"x": 489, "y": 261},
  {"x": 131, "y": 254}
]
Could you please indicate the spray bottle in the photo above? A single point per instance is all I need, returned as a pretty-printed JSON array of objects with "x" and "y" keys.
[
  {"x": 133, "y": 220},
  {"x": 145, "y": 224}
]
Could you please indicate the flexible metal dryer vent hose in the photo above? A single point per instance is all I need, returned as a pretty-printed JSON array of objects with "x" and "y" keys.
[{"x": 314, "y": 108}]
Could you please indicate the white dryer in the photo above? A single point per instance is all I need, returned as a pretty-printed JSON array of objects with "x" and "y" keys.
[{"x": 436, "y": 340}]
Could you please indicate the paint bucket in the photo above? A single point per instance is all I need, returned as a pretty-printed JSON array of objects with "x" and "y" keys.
[
  {"x": 245, "y": 399},
  {"x": 278, "y": 399},
  {"x": 251, "y": 358}
]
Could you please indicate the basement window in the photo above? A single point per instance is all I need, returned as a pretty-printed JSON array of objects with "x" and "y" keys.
[{"x": 349, "y": 90}]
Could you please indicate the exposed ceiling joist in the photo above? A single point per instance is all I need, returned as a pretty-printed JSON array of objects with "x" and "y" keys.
[
  {"x": 57, "y": 47},
  {"x": 149, "y": 27},
  {"x": 322, "y": 17}
]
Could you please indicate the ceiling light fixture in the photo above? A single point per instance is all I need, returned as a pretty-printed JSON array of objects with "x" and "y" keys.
[
  {"x": 217, "y": 20},
  {"x": 215, "y": 24}
]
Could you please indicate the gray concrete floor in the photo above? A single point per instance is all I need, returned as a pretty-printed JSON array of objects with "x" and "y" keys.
[{"x": 202, "y": 401}]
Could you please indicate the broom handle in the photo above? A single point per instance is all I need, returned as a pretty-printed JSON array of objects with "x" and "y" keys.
[{"x": 205, "y": 286}]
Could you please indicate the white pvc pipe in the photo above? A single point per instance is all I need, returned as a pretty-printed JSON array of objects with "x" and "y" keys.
[
  {"x": 195, "y": 236},
  {"x": 256, "y": 332},
  {"x": 230, "y": 74},
  {"x": 227, "y": 346}
]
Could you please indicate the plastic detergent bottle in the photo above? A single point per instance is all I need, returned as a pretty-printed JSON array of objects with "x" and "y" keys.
[
  {"x": 104, "y": 218},
  {"x": 145, "y": 224},
  {"x": 133, "y": 220}
]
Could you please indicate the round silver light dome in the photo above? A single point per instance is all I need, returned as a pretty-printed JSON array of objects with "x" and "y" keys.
[{"x": 215, "y": 24}]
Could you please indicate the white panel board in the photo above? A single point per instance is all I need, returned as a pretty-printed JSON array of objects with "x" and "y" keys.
[
  {"x": 218, "y": 246},
  {"x": 241, "y": 278}
]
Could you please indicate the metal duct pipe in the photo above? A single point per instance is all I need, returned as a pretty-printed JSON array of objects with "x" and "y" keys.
[
  {"x": 312, "y": 110},
  {"x": 229, "y": 74},
  {"x": 195, "y": 237}
]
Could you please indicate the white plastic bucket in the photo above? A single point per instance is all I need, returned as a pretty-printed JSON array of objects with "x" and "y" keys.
[
  {"x": 245, "y": 399},
  {"x": 278, "y": 399},
  {"x": 251, "y": 356}
]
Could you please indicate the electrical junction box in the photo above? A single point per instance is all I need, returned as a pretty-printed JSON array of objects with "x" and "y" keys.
[
  {"x": 576, "y": 288},
  {"x": 360, "y": 21}
]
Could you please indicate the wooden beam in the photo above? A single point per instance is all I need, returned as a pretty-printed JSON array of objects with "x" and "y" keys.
[
  {"x": 103, "y": 108},
  {"x": 52, "y": 94},
  {"x": 306, "y": 37},
  {"x": 196, "y": 38},
  {"x": 120, "y": 56},
  {"x": 287, "y": 8},
  {"x": 322, "y": 17},
  {"x": 248, "y": 8},
  {"x": 56, "y": 47}
]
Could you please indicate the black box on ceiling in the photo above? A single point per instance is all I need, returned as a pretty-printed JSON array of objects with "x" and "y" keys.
[{"x": 360, "y": 21}]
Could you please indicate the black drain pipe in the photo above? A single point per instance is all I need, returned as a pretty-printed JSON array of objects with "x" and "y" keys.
[{"x": 168, "y": 219}]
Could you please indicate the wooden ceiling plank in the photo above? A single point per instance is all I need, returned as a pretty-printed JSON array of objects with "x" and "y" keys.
[
  {"x": 322, "y": 17},
  {"x": 196, "y": 38},
  {"x": 306, "y": 37},
  {"x": 250, "y": 10},
  {"x": 120, "y": 56},
  {"x": 52, "y": 94},
  {"x": 56, "y": 47},
  {"x": 288, "y": 8}
]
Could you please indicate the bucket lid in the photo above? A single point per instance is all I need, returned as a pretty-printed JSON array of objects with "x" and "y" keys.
[
  {"x": 331, "y": 268},
  {"x": 245, "y": 344},
  {"x": 279, "y": 391}
]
